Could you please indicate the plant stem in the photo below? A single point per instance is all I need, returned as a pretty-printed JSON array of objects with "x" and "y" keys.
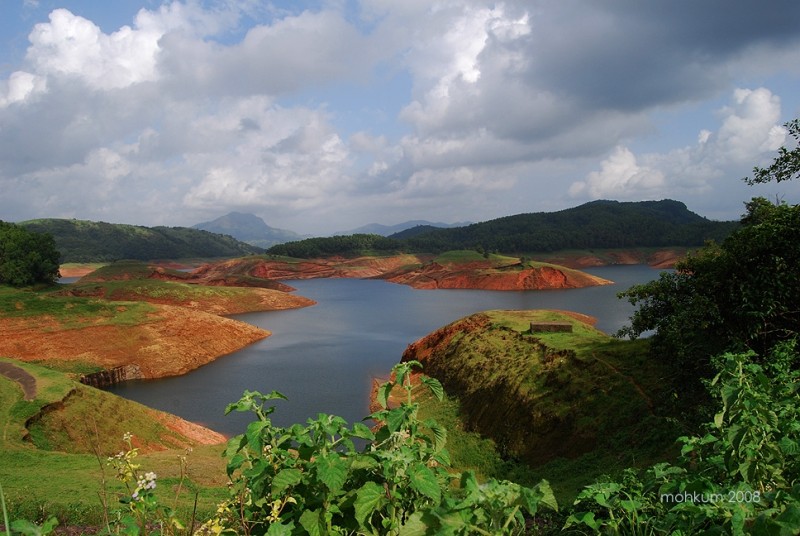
[{"x": 5, "y": 512}]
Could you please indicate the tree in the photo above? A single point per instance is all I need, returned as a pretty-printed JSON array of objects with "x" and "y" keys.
[
  {"x": 26, "y": 257},
  {"x": 742, "y": 294},
  {"x": 787, "y": 163}
]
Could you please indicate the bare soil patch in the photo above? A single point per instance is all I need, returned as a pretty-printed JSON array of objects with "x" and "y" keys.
[{"x": 174, "y": 341}]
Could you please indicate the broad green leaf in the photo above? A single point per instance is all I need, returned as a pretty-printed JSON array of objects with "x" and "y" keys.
[
  {"x": 414, "y": 526},
  {"x": 384, "y": 391},
  {"x": 332, "y": 471},
  {"x": 439, "y": 434},
  {"x": 313, "y": 522},
  {"x": 790, "y": 518},
  {"x": 362, "y": 431},
  {"x": 585, "y": 518},
  {"x": 395, "y": 419},
  {"x": 363, "y": 462},
  {"x": 424, "y": 481},
  {"x": 434, "y": 386},
  {"x": 284, "y": 479},
  {"x": 369, "y": 498},
  {"x": 788, "y": 446},
  {"x": 546, "y": 496},
  {"x": 279, "y": 529}
]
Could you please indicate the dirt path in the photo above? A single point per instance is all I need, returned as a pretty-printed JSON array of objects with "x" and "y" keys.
[{"x": 22, "y": 377}]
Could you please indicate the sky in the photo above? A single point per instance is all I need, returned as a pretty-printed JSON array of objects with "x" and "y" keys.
[{"x": 323, "y": 116}]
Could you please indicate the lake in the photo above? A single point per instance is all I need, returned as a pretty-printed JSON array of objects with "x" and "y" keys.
[{"x": 324, "y": 357}]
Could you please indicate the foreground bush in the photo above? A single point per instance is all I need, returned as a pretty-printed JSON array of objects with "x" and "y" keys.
[
  {"x": 313, "y": 480},
  {"x": 741, "y": 477}
]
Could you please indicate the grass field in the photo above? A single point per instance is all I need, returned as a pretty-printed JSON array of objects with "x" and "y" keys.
[
  {"x": 60, "y": 469},
  {"x": 69, "y": 311}
]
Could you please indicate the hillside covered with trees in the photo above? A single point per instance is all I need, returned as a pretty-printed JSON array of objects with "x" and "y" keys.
[
  {"x": 26, "y": 257},
  {"x": 89, "y": 241},
  {"x": 599, "y": 224}
]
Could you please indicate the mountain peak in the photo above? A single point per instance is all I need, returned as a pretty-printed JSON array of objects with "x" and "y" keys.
[{"x": 248, "y": 228}]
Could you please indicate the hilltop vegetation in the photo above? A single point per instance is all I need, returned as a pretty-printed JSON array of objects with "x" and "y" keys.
[
  {"x": 541, "y": 397},
  {"x": 89, "y": 241},
  {"x": 26, "y": 257},
  {"x": 599, "y": 224}
]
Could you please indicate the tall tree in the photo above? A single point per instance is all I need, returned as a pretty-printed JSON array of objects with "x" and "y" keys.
[{"x": 27, "y": 258}]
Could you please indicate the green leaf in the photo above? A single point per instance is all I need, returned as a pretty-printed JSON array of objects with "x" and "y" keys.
[
  {"x": 284, "y": 479},
  {"x": 395, "y": 419},
  {"x": 424, "y": 481},
  {"x": 546, "y": 496},
  {"x": 362, "y": 431},
  {"x": 584, "y": 518},
  {"x": 332, "y": 471},
  {"x": 279, "y": 529},
  {"x": 718, "y": 419},
  {"x": 788, "y": 446},
  {"x": 314, "y": 522},
  {"x": 363, "y": 462},
  {"x": 414, "y": 526},
  {"x": 369, "y": 498},
  {"x": 434, "y": 386},
  {"x": 439, "y": 434},
  {"x": 384, "y": 390}
]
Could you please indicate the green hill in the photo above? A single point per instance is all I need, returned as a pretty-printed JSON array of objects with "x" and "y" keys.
[
  {"x": 595, "y": 225},
  {"x": 89, "y": 241},
  {"x": 570, "y": 405},
  {"x": 599, "y": 224}
]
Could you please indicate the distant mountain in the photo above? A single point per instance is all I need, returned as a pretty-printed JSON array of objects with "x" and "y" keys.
[
  {"x": 248, "y": 228},
  {"x": 387, "y": 230},
  {"x": 595, "y": 225},
  {"x": 598, "y": 224},
  {"x": 90, "y": 241}
]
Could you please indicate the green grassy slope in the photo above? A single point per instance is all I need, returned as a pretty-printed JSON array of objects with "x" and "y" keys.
[
  {"x": 53, "y": 451},
  {"x": 569, "y": 406}
]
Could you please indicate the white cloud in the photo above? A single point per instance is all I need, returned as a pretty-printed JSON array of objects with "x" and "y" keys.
[
  {"x": 20, "y": 86},
  {"x": 73, "y": 46},
  {"x": 284, "y": 159},
  {"x": 200, "y": 107},
  {"x": 749, "y": 130},
  {"x": 620, "y": 176}
]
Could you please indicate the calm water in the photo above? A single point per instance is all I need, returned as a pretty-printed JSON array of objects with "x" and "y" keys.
[{"x": 324, "y": 357}]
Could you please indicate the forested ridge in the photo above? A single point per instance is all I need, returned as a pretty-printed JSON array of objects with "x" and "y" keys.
[
  {"x": 598, "y": 224},
  {"x": 89, "y": 241}
]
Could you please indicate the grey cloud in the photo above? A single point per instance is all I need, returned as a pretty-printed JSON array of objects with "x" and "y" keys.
[{"x": 629, "y": 55}]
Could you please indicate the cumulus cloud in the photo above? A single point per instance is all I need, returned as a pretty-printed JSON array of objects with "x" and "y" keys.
[
  {"x": 197, "y": 107},
  {"x": 749, "y": 130},
  {"x": 620, "y": 176}
]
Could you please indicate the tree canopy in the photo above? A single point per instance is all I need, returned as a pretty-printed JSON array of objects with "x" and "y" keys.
[
  {"x": 27, "y": 258},
  {"x": 741, "y": 294}
]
